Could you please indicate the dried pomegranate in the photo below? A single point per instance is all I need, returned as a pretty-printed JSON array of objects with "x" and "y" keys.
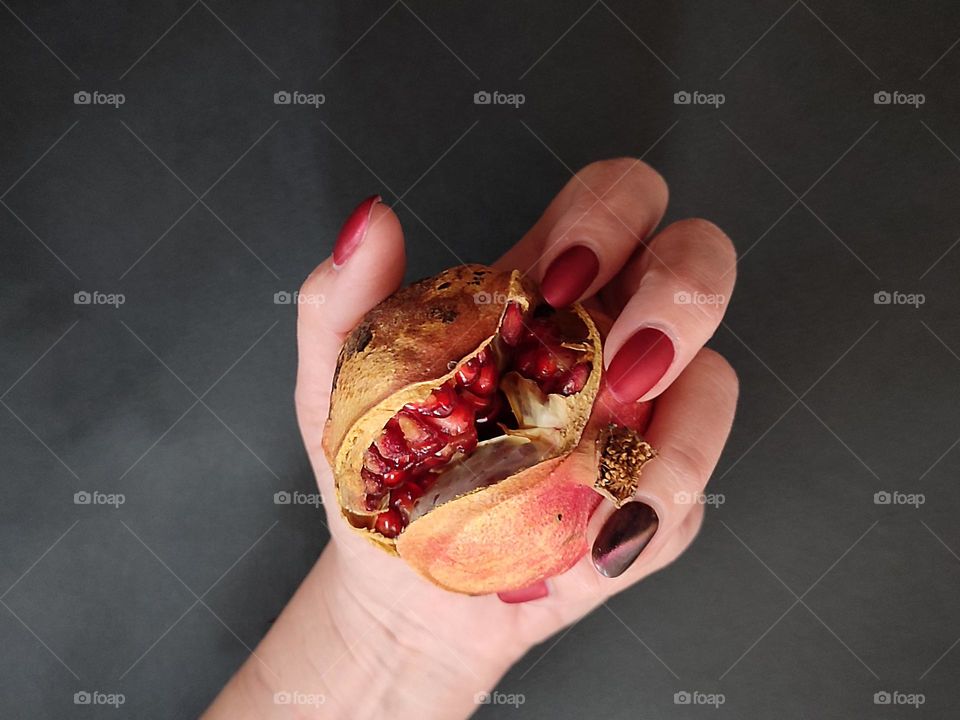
[{"x": 469, "y": 432}]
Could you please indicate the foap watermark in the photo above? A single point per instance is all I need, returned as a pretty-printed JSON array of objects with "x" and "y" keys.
[
  {"x": 499, "y": 698},
  {"x": 487, "y": 298},
  {"x": 895, "y": 297},
  {"x": 895, "y": 497},
  {"x": 115, "y": 100},
  {"x": 895, "y": 97},
  {"x": 896, "y": 697},
  {"x": 495, "y": 97},
  {"x": 98, "y": 697},
  {"x": 682, "y": 297},
  {"x": 298, "y": 298},
  {"x": 83, "y": 497},
  {"x": 295, "y": 497},
  {"x": 698, "y": 498},
  {"x": 696, "y": 697},
  {"x": 295, "y": 97},
  {"x": 95, "y": 297},
  {"x": 684, "y": 97},
  {"x": 295, "y": 697}
]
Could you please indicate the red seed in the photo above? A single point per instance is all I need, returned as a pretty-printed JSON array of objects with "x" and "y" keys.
[
  {"x": 392, "y": 445},
  {"x": 486, "y": 381},
  {"x": 395, "y": 477},
  {"x": 420, "y": 436},
  {"x": 374, "y": 462},
  {"x": 511, "y": 327},
  {"x": 576, "y": 379},
  {"x": 468, "y": 372},
  {"x": 438, "y": 404},
  {"x": 456, "y": 422},
  {"x": 372, "y": 484},
  {"x": 404, "y": 497},
  {"x": 389, "y": 523}
]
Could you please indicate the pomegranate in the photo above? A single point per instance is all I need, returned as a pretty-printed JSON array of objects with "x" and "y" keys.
[{"x": 474, "y": 438}]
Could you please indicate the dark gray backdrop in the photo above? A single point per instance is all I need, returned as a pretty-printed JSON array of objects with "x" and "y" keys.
[{"x": 199, "y": 198}]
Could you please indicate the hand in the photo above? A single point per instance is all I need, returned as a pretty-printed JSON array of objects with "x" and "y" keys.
[{"x": 666, "y": 293}]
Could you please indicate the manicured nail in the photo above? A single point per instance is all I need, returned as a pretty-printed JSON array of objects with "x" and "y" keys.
[
  {"x": 569, "y": 275},
  {"x": 353, "y": 231},
  {"x": 639, "y": 364},
  {"x": 623, "y": 537},
  {"x": 534, "y": 592}
]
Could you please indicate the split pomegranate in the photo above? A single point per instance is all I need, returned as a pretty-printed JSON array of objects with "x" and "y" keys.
[
  {"x": 466, "y": 436},
  {"x": 416, "y": 443}
]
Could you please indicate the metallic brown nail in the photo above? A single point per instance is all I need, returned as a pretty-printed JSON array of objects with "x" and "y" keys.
[{"x": 623, "y": 537}]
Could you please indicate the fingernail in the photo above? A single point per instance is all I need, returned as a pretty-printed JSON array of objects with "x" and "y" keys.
[
  {"x": 353, "y": 231},
  {"x": 623, "y": 537},
  {"x": 569, "y": 275},
  {"x": 639, "y": 364},
  {"x": 534, "y": 592}
]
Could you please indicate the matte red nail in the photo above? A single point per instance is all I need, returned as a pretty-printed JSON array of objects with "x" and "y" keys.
[
  {"x": 534, "y": 592},
  {"x": 639, "y": 364},
  {"x": 353, "y": 231},
  {"x": 569, "y": 275}
]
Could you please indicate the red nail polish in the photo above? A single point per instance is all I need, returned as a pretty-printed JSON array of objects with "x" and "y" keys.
[
  {"x": 569, "y": 275},
  {"x": 534, "y": 592},
  {"x": 353, "y": 231},
  {"x": 639, "y": 364}
]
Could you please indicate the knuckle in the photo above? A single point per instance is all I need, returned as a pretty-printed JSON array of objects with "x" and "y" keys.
[{"x": 721, "y": 372}]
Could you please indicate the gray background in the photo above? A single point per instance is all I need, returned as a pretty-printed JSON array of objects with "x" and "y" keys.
[{"x": 801, "y": 598}]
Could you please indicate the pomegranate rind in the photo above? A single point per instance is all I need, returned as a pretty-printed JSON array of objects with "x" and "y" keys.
[{"x": 508, "y": 536}]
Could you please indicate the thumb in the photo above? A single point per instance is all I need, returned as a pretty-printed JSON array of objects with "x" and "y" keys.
[{"x": 366, "y": 266}]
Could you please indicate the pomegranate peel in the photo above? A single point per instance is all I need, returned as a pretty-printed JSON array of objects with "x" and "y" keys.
[{"x": 469, "y": 434}]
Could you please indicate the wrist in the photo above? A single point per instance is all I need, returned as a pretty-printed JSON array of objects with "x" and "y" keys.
[{"x": 332, "y": 653}]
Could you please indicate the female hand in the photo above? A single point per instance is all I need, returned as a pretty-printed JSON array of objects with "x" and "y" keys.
[{"x": 365, "y": 629}]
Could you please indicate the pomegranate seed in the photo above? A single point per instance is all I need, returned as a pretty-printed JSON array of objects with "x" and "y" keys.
[
  {"x": 374, "y": 462},
  {"x": 439, "y": 404},
  {"x": 511, "y": 327},
  {"x": 576, "y": 379},
  {"x": 468, "y": 372},
  {"x": 421, "y": 438},
  {"x": 456, "y": 422},
  {"x": 372, "y": 484},
  {"x": 466, "y": 442},
  {"x": 389, "y": 523},
  {"x": 403, "y": 498},
  {"x": 486, "y": 381},
  {"x": 392, "y": 445},
  {"x": 475, "y": 401},
  {"x": 395, "y": 478},
  {"x": 494, "y": 406}
]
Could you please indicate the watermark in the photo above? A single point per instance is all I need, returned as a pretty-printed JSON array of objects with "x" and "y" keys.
[
  {"x": 286, "y": 697},
  {"x": 683, "y": 97},
  {"x": 295, "y": 497},
  {"x": 483, "y": 97},
  {"x": 97, "y": 697},
  {"x": 298, "y": 298},
  {"x": 895, "y": 697},
  {"x": 499, "y": 698},
  {"x": 895, "y": 97},
  {"x": 895, "y": 297},
  {"x": 96, "y": 497},
  {"x": 95, "y": 297},
  {"x": 698, "y": 498},
  {"x": 896, "y": 497},
  {"x": 682, "y": 297},
  {"x": 695, "y": 697},
  {"x": 96, "y": 97},
  {"x": 487, "y": 298},
  {"x": 295, "y": 97}
]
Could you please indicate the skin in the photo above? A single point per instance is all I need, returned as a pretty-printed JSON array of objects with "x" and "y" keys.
[{"x": 364, "y": 636}]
